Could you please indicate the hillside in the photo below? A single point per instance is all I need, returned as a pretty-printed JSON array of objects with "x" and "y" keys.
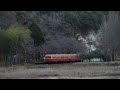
[{"x": 28, "y": 35}]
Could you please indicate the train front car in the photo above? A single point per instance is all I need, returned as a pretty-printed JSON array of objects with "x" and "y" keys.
[{"x": 55, "y": 58}]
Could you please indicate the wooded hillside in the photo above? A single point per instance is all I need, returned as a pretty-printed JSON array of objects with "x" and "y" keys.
[{"x": 28, "y": 35}]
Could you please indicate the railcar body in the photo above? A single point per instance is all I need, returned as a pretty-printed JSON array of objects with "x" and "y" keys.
[{"x": 51, "y": 58}]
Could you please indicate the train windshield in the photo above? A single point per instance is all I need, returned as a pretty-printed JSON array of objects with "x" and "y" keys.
[{"x": 48, "y": 57}]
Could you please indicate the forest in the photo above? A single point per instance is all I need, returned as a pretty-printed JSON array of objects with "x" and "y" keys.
[{"x": 26, "y": 36}]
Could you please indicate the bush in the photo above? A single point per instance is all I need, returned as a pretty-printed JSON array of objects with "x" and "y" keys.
[
  {"x": 92, "y": 54},
  {"x": 84, "y": 56}
]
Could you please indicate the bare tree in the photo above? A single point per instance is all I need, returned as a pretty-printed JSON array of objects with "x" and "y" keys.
[
  {"x": 109, "y": 35},
  {"x": 7, "y": 18},
  {"x": 61, "y": 44}
]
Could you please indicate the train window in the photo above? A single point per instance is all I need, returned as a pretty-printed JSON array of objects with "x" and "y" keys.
[{"x": 48, "y": 56}]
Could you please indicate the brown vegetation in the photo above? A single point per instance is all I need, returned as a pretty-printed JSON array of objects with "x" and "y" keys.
[{"x": 63, "y": 71}]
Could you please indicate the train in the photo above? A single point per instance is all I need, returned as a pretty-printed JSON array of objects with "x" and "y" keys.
[{"x": 60, "y": 58}]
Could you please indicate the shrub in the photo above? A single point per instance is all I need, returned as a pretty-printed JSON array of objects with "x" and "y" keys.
[{"x": 93, "y": 54}]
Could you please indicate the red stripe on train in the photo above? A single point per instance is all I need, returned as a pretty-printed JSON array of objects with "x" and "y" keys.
[{"x": 62, "y": 59}]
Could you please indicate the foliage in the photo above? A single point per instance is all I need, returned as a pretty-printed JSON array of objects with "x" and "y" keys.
[
  {"x": 90, "y": 55},
  {"x": 4, "y": 47},
  {"x": 37, "y": 35},
  {"x": 96, "y": 54},
  {"x": 11, "y": 38},
  {"x": 47, "y": 31},
  {"x": 82, "y": 21},
  {"x": 23, "y": 18}
]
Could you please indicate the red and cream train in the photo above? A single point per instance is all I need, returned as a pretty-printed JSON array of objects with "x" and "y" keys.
[{"x": 55, "y": 58}]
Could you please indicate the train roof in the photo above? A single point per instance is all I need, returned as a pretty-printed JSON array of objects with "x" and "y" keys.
[{"x": 60, "y": 54}]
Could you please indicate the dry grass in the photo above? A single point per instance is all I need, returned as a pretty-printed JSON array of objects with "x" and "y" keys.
[{"x": 63, "y": 71}]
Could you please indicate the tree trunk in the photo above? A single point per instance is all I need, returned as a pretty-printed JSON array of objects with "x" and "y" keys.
[
  {"x": 34, "y": 56},
  {"x": 25, "y": 58},
  {"x": 113, "y": 56},
  {"x": 89, "y": 59}
]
